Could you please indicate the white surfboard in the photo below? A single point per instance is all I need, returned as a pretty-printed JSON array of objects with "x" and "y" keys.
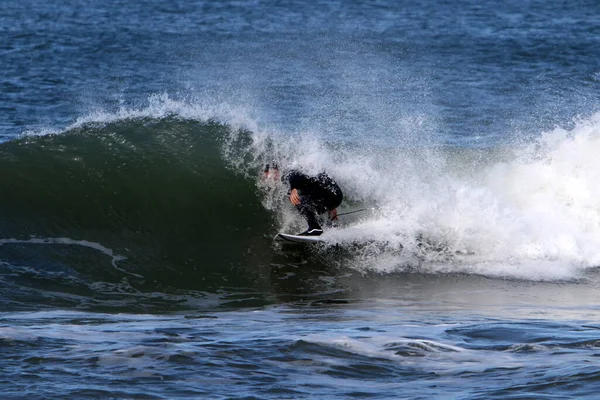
[{"x": 299, "y": 239}]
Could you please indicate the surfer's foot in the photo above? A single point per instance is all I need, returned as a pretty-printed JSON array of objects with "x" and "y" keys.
[{"x": 312, "y": 232}]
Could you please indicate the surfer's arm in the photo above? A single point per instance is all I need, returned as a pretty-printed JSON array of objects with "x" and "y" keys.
[{"x": 298, "y": 180}]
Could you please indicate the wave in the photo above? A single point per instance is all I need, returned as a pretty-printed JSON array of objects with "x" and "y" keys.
[{"x": 176, "y": 197}]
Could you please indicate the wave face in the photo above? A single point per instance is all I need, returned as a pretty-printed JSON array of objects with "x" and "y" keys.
[{"x": 147, "y": 200}]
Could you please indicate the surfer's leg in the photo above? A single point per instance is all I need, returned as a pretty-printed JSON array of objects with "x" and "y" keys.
[{"x": 307, "y": 210}]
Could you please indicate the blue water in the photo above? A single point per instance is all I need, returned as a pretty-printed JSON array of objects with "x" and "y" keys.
[
  {"x": 136, "y": 252},
  {"x": 473, "y": 72}
]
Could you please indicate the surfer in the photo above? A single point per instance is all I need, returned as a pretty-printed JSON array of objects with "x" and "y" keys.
[{"x": 311, "y": 195}]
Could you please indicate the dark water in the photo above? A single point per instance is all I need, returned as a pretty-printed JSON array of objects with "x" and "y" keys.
[{"x": 136, "y": 237}]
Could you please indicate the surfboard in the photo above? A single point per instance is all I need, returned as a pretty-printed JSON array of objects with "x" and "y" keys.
[{"x": 299, "y": 239}]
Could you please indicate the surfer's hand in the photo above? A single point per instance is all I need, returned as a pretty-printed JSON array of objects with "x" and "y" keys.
[
  {"x": 333, "y": 218},
  {"x": 294, "y": 197},
  {"x": 333, "y": 215}
]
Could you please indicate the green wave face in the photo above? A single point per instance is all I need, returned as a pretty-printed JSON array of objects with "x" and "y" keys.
[{"x": 155, "y": 192}]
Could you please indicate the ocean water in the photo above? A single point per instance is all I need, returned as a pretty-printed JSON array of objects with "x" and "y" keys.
[{"x": 137, "y": 258}]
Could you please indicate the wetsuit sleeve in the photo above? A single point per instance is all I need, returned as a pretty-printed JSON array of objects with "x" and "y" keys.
[{"x": 298, "y": 180}]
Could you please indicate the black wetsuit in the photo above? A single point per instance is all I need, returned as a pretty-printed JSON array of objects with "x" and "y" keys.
[{"x": 318, "y": 194}]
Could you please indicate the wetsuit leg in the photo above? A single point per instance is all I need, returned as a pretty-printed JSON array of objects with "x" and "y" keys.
[
  {"x": 308, "y": 209},
  {"x": 318, "y": 202}
]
